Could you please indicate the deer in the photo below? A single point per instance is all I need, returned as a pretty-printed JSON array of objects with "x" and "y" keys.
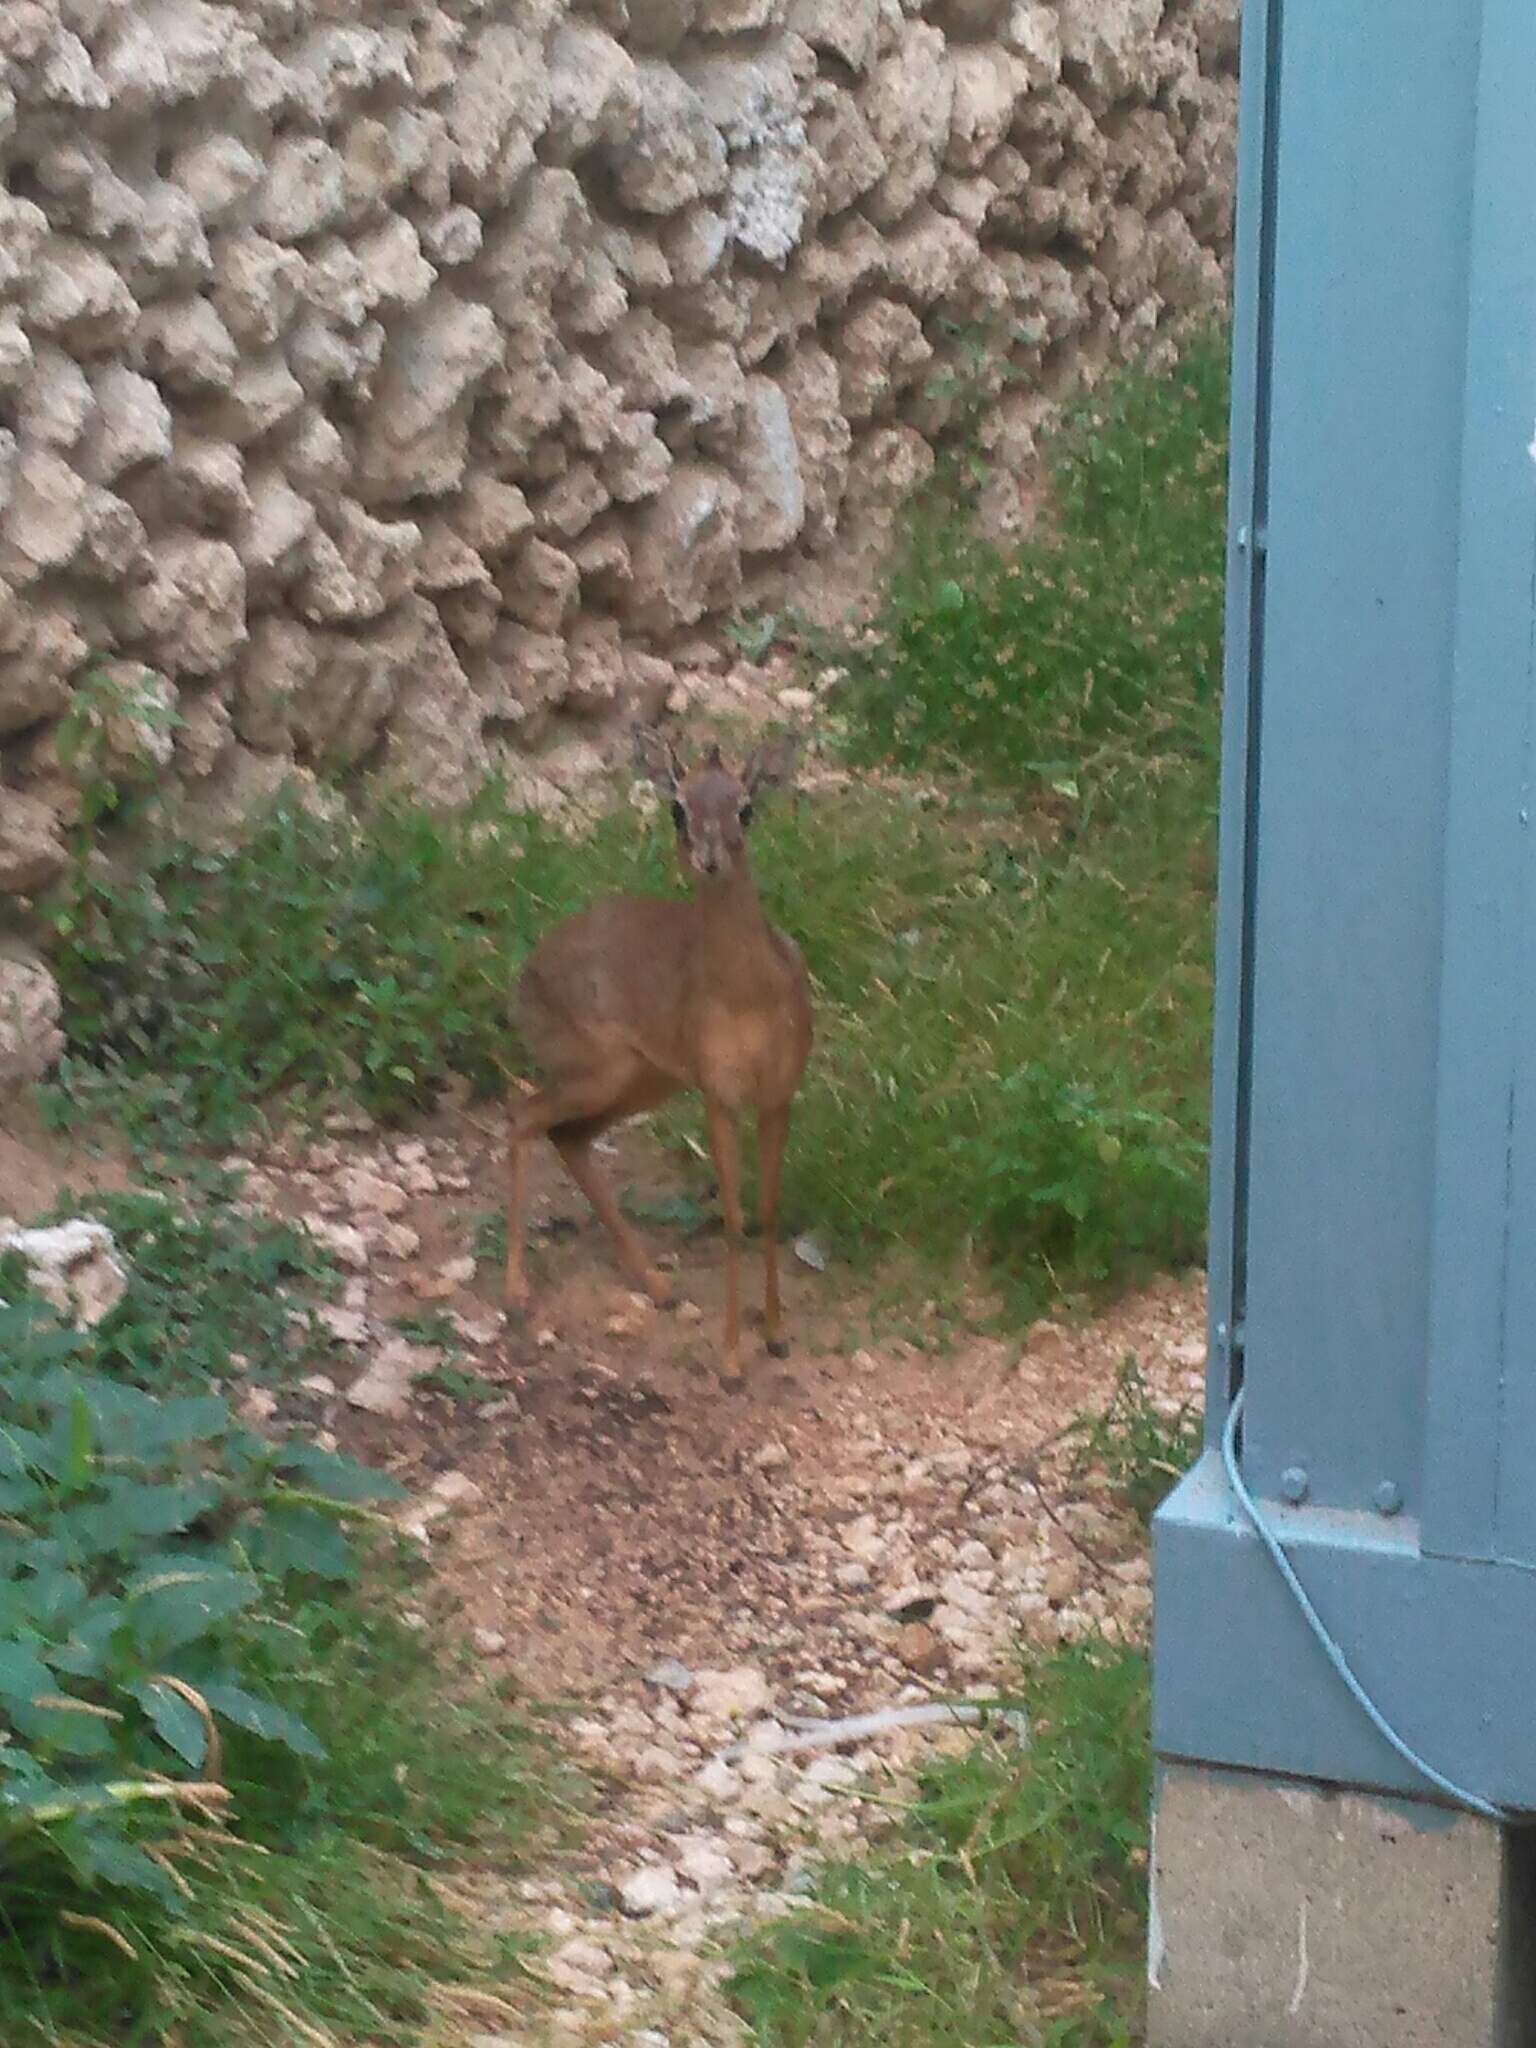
[{"x": 636, "y": 999}]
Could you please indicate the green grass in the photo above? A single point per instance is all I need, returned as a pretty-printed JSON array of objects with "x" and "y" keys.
[
  {"x": 1007, "y": 1905},
  {"x": 1012, "y": 971},
  {"x": 165, "y": 1572}
]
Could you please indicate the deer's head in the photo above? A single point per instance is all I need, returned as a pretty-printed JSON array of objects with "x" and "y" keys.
[{"x": 712, "y": 806}]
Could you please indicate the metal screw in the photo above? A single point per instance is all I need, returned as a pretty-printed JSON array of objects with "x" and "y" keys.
[
  {"x": 1388, "y": 1497},
  {"x": 1293, "y": 1484},
  {"x": 1242, "y": 538}
]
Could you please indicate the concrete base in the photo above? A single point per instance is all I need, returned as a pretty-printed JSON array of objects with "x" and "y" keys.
[{"x": 1288, "y": 1916}]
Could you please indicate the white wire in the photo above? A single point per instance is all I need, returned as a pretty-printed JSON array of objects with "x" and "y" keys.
[{"x": 1329, "y": 1647}]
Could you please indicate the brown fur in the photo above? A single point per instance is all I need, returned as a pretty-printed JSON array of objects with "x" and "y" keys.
[{"x": 636, "y": 999}]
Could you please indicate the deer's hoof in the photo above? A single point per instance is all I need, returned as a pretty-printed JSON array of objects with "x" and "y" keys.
[{"x": 778, "y": 1347}]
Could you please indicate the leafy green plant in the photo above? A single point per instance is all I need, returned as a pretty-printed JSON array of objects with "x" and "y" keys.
[
  {"x": 1006, "y": 1906},
  {"x": 1137, "y": 1448},
  {"x": 1085, "y": 665},
  {"x": 109, "y": 703},
  {"x": 144, "y": 1540},
  {"x": 1090, "y": 1184}
]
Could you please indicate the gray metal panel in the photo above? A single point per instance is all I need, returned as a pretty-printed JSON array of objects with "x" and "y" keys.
[
  {"x": 1373, "y": 191},
  {"x": 1446, "y": 1647},
  {"x": 1481, "y": 1495}
]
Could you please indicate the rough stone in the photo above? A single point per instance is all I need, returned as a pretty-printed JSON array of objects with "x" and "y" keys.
[
  {"x": 73, "y": 1265},
  {"x": 498, "y": 347},
  {"x": 30, "y": 1008}
]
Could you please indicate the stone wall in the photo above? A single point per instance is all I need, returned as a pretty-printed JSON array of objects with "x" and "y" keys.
[{"x": 393, "y": 384}]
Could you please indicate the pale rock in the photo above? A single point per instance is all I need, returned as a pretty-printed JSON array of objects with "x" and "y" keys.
[
  {"x": 706, "y": 1865},
  {"x": 395, "y": 273},
  {"x": 598, "y": 672},
  {"x": 44, "y": 524},
  {"x": 694, "y": 243},
  {"x": 56, "y": 402},
  {"x": 369, "y": 1193},
  {"x": 186, "y": 347},
  {"x": 636, "y": 462},
  {"x": 39, "y": 651},
  {"x": 650, "y": 1891},
  {"x": 988, "y": 83},
  {"x": 345, "y": 1325},
  {"x": 344, "y": 1243},
  {"x": 191, "y": 610},
  {"x": 685, "y": 552},
  {"x": 341, "y": 63},
  {"x": 384, "y": 1388},
  {"x": 257, "y": 288},
  {"x": 849, "y": 29},
  {"x": 593, "y": 89},
  {"x": 131, "y": 425},
  {"x": 305, "y": 191},
  {"x": 570, "y": 505},
  {"x": 882, "y": 349},
  {"x": 909, "y": 104},
  {"x": 490, "y": 515},
  {"x": 847, "y": 259},
  {"x": 722, "y": 1697},
  {"x": 579, "y": 1967},
  {"x": 263, "y": 394},
  {"x": 358, "y": 566},
  {"x": 851, "y": 161},
  {"x": 358, "y": 677},
  {"x": 203, "y": 732},
  {"x": 497, "y": 107},
  {"x": 452, "y": 237},
  {"x": 929, "y": 256},
  {"x": 660, "y": 24},
  {"x": 1032, "y": 31},
  {"x": 675, "y": 154},
  {"x": 540, "y": 587},
  {"x": 30, "y": 1008},
  {"x": 771, "y": 510},
  {"x": 407, "y": 147},
  {"x": 1111, "y": 41},
  {"x": 32, "y": 853},
  {"x": 23, "y": 234},
  {"x": 202, "y": 486},
  {"x": 16, "y": 353},
  {"x": 754, "y": 103},
  {"x": 218, "y": 174},
  {"x": 170, "y": 50},
  {"x": 75, "y": 295},
  {"x": 417, "y": 430},
  {"x": 272, "y": 537},
  {"x": 73, "y": 1265},
  {"x": 812, "y": 392}
]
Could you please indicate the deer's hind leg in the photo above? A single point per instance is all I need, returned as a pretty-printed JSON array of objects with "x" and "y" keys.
[{"x": 571, "y": 1112}]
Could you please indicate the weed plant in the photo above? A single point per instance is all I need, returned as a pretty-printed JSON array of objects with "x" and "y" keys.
[{"x": 1007, "y": 1902}]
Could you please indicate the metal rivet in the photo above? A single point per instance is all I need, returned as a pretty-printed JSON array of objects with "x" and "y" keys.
[
  {"x": 1293, "y": 1484},
  {"x": 1241, "y": 538},
  {"x": 1388, "y": 1497}
]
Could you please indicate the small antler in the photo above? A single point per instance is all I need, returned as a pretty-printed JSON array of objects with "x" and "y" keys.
[{"x": 656, "y": 758}]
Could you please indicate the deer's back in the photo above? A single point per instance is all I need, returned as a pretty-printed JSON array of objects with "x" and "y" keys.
[
  {"x": 613, "y": 975},
  {"x": 640, "y": 979}
]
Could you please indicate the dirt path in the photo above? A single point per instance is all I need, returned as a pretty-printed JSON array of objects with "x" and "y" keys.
[{"x": 871, "y": 1523}]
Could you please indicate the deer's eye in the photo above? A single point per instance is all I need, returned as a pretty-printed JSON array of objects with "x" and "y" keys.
[
  {"x": 746, "y": 812},
  {"x": 679, "y": 816}
]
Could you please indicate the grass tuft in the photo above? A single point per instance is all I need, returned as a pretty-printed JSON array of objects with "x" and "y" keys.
[{"x": 1006, "y": 1906}]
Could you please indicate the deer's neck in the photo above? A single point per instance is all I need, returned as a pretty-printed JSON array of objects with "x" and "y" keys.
[{"x": 733, "y": 936}]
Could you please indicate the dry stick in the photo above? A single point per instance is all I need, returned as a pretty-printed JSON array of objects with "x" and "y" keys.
[{"x": 803, "y": 1732}]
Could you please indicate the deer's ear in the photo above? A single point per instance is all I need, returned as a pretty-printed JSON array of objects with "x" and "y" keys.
[
  {"x": 656, "y": 759},
  {"x": 772, "y": 765}
]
